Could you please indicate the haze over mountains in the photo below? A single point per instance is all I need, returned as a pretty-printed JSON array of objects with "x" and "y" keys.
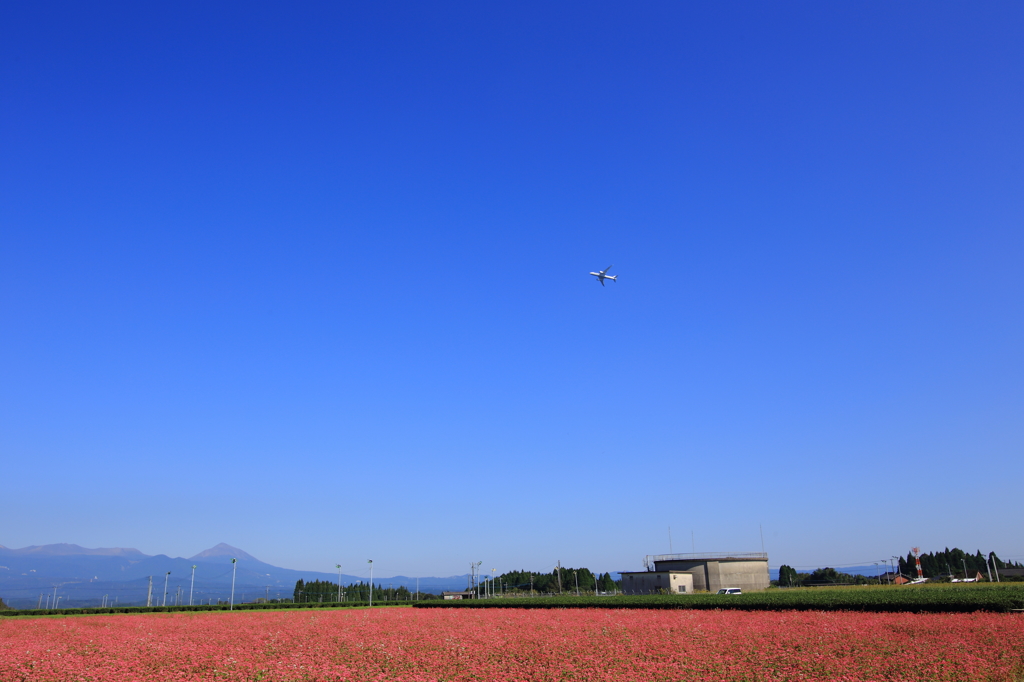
[{"x": 84, "y": 576}]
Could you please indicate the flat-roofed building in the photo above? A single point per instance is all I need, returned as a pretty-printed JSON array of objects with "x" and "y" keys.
[
  {"x": 686, "y": 573},
  {"x": 657, "y": 582}
]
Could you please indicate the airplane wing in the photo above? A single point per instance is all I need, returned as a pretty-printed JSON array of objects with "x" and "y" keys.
[
  {"x": 601, "y": 280},
  {"x": 607, "y": 269}
]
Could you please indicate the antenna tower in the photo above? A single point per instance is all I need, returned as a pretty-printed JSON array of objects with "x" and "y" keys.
[{"x": 917, "y": 560}]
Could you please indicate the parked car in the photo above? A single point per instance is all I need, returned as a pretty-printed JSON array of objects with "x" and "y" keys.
[{"x": 730, "y": 590}]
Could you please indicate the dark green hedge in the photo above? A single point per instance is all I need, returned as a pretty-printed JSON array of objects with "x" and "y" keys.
[
  {"x": 935, "y": 599},
  {"x": 199, "y": 607}
]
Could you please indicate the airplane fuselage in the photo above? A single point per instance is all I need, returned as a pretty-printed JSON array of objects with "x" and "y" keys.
[{"x": 601, "y": 276}]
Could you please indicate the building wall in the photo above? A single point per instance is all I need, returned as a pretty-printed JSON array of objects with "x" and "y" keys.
[
  {"x": 714, "y": 575},
  {"x": 647, "y": 582}
]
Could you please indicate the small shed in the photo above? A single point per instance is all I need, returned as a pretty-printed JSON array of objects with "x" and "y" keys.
[{"x": 457, "y": 595}]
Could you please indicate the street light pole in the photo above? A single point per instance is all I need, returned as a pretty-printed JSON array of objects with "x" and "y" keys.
[
  {"x": 192, "y": 587},
  {"x": 370, "y": 561},
  {"x": 234, "y": 569}
]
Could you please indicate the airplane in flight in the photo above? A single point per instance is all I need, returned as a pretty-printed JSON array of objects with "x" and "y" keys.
[{"x": 601, "y": 277}]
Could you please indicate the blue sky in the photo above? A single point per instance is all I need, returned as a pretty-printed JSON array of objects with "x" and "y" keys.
[{"x": 312, "y": 280}]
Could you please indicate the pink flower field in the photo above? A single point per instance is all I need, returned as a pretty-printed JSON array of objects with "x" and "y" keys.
[{"x": 511, "y": 644}]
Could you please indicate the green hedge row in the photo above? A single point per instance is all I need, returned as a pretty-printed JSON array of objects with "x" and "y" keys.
[
  {"x": 886, "y": 599},
  {"x": 199, "y": 607}
]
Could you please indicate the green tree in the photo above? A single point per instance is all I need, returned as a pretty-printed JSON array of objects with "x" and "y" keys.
[{"x": 788, "y": 577}]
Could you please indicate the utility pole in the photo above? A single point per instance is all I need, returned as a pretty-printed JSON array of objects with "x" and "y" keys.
[
  {"x": 964, "y": 559},
  {"x": 576, "y": 577},
  {"x": 149, "y": 593},
  {"x": 988, "y": 567},
  {"x": 370, "y": 561},
  {"x": 337, "y": 566},
  {"x": 887, "y": 576},
  {"x": 417, "y": 589},
  {"x": 166, "y": 578},
  {"x": 559, "y": 576},
  {"x": 54, "y": 596},
  {"x": 234, "y": 569},
  {"x": 531, "y": 583},
  {"x": 193, "y": 586},
  {"x": 995, "y": 566}
]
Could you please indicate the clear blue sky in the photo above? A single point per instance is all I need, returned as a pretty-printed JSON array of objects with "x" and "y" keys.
[{"x": 313, "y": 280}]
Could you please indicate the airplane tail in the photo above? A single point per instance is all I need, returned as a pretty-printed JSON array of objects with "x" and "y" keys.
[{"x": 614, "y": 278}]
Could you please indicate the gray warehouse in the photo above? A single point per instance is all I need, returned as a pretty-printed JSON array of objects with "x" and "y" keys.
[{"x": 686, "y": 573}]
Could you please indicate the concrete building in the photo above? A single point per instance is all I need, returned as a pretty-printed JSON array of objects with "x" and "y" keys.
[
  {"x": 707, "y": 572},
  {"x": 657, "y": 582}
]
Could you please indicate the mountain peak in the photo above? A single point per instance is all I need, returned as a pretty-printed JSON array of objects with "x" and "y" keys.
[{"x": 223, "y": 551}]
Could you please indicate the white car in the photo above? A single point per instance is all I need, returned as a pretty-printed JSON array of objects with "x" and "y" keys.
[{"x": 730, "y": 590}]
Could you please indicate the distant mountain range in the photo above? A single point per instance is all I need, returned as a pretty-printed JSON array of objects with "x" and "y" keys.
[{"x": 85, "y": 577}]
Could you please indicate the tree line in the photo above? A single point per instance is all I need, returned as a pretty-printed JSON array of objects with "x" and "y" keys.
[
  {"x": 564, "y": 580},
  {"x": 952, "y": 562},
  {"x": 947, "y": 563},
  {"x": 327, "y": 591}
]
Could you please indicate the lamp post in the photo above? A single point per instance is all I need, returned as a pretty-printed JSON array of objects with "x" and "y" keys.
[
  {"x": 166, "y": 578},
  {"x": 338, "y": 566},
  {"x": 234, "y": 569},
  {"x": 370, "y": 561},
  {"x": 192, "y": 587}
]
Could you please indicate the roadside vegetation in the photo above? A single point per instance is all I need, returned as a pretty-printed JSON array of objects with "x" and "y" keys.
[
  {"x": 199, "y": 607},
  {"x": 916, "y": 598}
]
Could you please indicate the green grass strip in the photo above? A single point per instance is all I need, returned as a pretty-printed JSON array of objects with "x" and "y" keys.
[
  {"x": 931, "y": 599},
  {"x": 198, "y": 607}
]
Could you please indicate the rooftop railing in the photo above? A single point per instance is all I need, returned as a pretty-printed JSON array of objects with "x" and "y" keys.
[{"x": 713, "y": 556}]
